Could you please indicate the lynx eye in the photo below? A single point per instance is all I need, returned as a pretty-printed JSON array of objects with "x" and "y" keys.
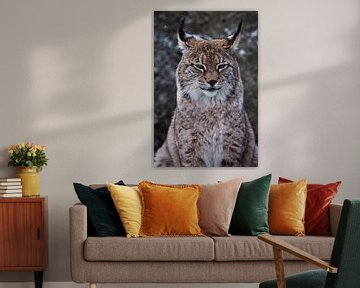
[
  {"x": 199, "y": 66},
  {"x": 222, "y": 66}
]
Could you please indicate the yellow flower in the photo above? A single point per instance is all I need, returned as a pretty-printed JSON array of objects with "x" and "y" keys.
[
  {"x": 41, "y": 147},
  {"x": 27, "y": 152}
]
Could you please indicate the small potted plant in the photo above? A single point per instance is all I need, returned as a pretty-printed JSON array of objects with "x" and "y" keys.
[{"x": 30, "y": 158}]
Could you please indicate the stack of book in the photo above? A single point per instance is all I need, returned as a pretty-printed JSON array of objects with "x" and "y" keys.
[{"x": 10, "y": 187}]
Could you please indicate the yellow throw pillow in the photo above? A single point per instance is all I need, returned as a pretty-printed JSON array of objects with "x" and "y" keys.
[
  {"x": 287, "y": 204},
  {"x": 169, "y": 210},
  {"x": 127, "y": 201}
]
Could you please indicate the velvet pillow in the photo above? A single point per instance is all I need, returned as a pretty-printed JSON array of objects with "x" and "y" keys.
[
  {"x": 287, "y": 204},
  {"x": 216, "y": 206},
  {"x": 250, "y": 215},
  {"x": 169, "y": 210},
  {"x": 319, "y": 197},
  {"x": 127, "y": 201},
  {"x": 102, "y": 215}
]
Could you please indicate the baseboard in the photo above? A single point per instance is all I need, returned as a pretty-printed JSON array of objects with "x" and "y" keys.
[{"x": 74, "y": 285}]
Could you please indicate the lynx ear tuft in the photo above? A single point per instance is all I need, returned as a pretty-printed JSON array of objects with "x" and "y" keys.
[
  {"x": 234, "y": 39},
  {"x": 184, "y": 39}
]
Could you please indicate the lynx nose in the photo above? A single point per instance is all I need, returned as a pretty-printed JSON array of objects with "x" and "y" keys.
[{"x": 212, "y": 82}]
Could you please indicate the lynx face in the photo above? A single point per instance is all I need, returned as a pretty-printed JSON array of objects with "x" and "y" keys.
[{"x": 208, "y": 68}]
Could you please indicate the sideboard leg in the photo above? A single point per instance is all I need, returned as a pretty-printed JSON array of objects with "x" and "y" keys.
[
  {"x": 38, "y": 279},
  {"x": 92, "y": 285}
]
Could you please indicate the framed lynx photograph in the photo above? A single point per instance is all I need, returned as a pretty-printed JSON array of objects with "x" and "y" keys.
[{"x": 205, "y": 89}]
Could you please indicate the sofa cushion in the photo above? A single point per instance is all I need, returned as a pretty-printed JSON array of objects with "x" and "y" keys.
[
  {"x": 102, "y": 216},
  {"x": 216, "y": 206},
  {"x": 127, "y": 201},
  {"x": 169, "y": 210},
  {"x": 287, "y": 204},
  {"x": 149, "y": 249},
  {"x": 244, "y": 248},
  {"x": 250, "y": 215},
  {"x": 318, "y": 199}
]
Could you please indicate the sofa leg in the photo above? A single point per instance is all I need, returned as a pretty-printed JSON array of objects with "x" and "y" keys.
[{"x": 92, "y": 285}]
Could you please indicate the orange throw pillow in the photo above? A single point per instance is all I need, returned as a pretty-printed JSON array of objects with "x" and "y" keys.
[
  {"x": 287, "y": 204},
  {"x": 169, "y": 210},
  {"x": 318, "y": 200}
]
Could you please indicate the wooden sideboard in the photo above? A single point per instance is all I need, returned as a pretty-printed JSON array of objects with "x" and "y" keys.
[{"x": 23, "y": 235}]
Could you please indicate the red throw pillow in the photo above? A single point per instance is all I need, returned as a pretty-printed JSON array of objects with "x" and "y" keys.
[{"x": 319, "y": 197}]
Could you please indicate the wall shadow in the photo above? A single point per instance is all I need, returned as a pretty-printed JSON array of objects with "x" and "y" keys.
[
  {"x": 318, "y": 122},
  {"x": 51, "y": 55}
]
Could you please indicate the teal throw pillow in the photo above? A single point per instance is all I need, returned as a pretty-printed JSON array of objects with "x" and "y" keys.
[{"x": 250, "y": 216}]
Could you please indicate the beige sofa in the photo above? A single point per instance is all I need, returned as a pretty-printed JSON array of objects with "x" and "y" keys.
[{"x": 234, "y": 259}]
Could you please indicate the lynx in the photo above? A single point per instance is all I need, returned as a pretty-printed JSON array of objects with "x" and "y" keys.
[{"x": 210, "y": 127}]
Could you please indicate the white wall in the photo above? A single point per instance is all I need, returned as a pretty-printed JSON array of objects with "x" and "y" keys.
[{"x": 77, "y": 77}]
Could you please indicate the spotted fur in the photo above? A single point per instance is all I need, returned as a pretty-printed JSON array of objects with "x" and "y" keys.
[{"x": 210, "y": 127}]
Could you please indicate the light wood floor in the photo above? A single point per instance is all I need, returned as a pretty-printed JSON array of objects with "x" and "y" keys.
[{"x": 74, "y": 285}]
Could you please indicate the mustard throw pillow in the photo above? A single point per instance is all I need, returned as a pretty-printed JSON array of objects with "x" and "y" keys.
[
  {"x": 169, "y": 210},
  {"x": 287, "y": 204},
  {"x": 127, "y": 201}
]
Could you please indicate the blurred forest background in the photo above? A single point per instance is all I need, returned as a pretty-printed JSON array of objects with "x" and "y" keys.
[{"x": 214, "y": 24}]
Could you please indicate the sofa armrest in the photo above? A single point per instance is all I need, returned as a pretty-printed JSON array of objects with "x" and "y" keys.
[
  {"x": 334, "y": 216},
  {"x": 78, "y": 235}
]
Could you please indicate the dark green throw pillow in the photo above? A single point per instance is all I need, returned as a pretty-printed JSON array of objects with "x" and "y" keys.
[
  {"x": 250, "y": 216},
  {"x": 103, "y": 218}
]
